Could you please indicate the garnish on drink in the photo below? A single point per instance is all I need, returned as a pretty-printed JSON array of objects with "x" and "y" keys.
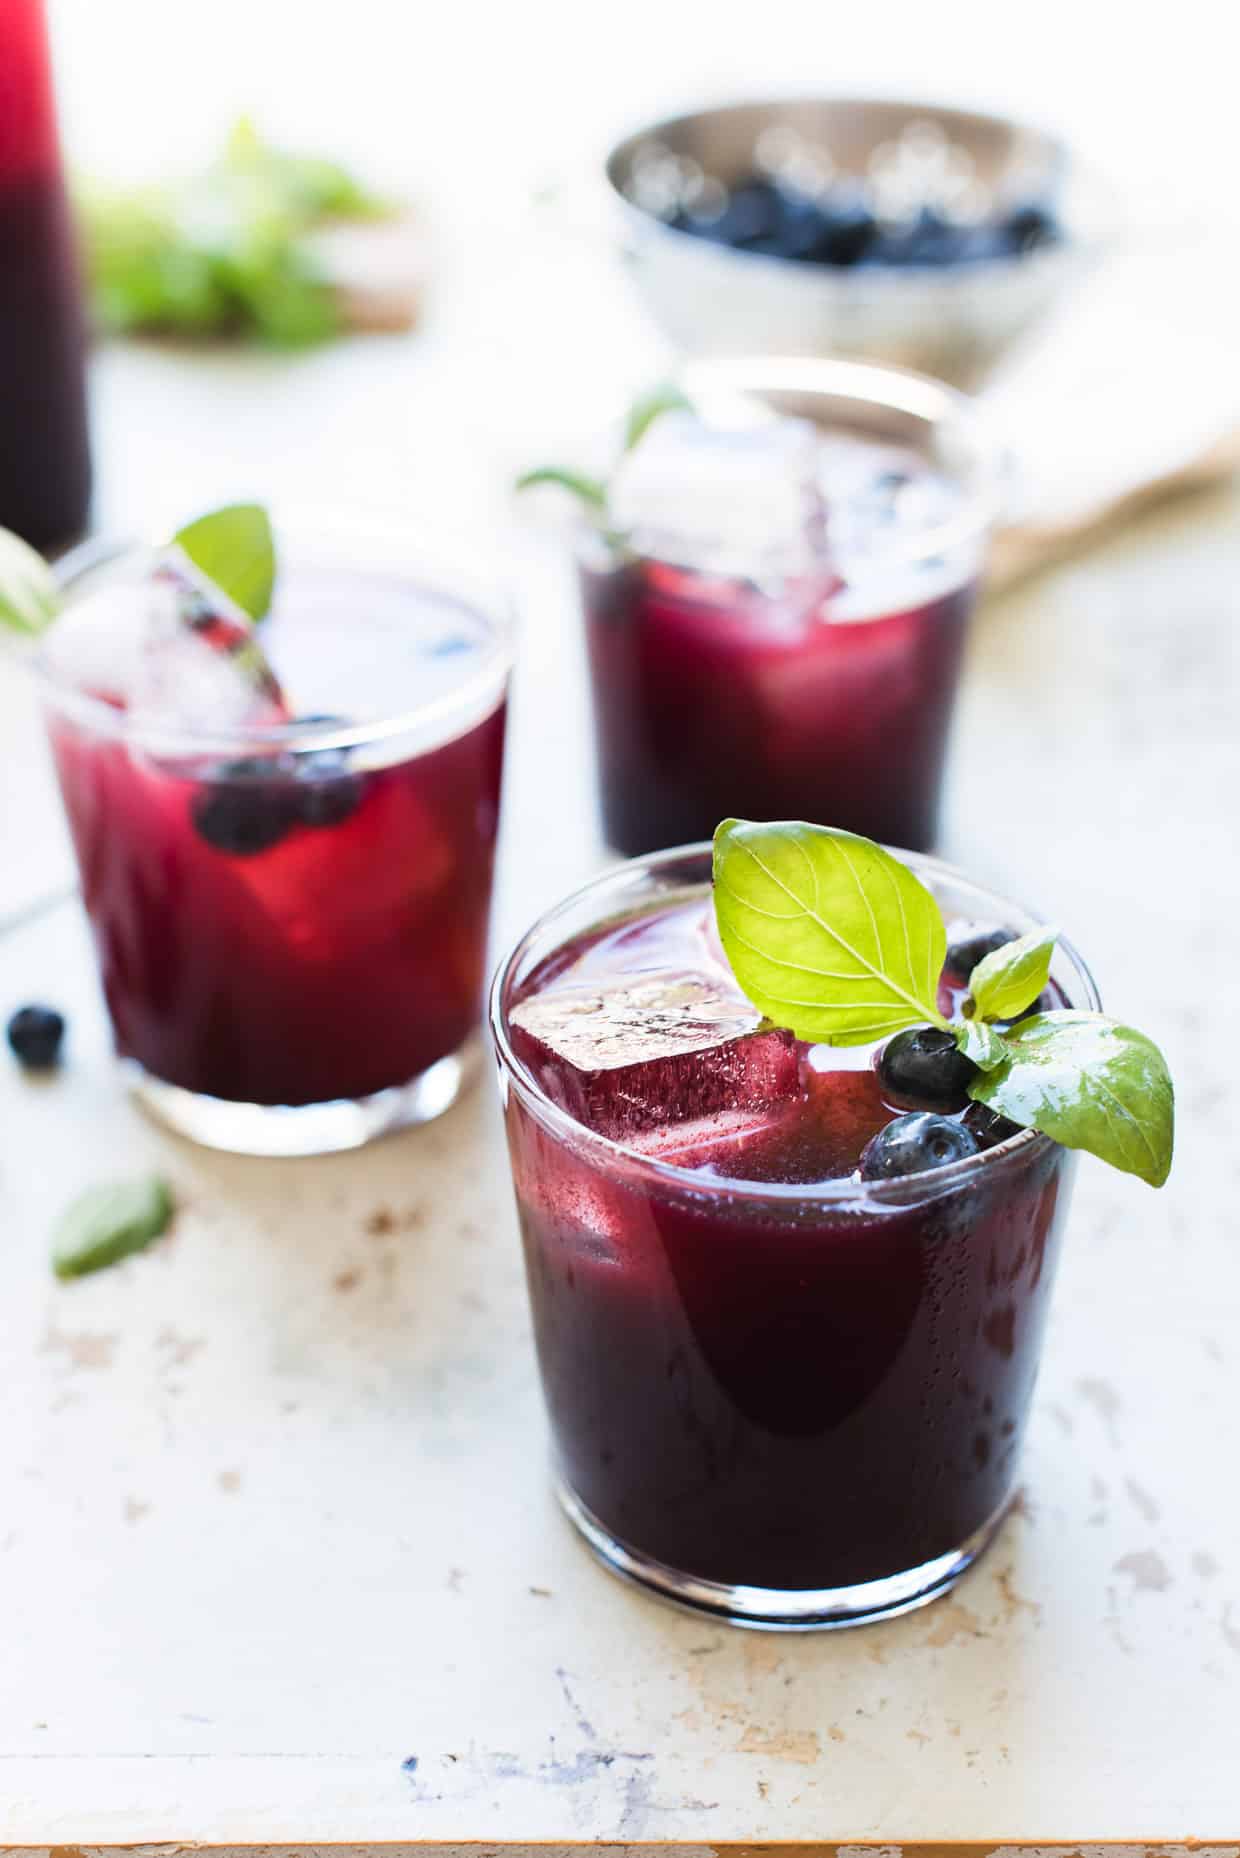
[
  {"x": 836, "y": 939},
  {"x": 289, "y": 903},
  {"x": 789, "y": 1235},
  {"x": 775, "y": 601}
]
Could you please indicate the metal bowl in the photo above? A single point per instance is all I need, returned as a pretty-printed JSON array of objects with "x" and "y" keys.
[{"x": 954, "y": 321}]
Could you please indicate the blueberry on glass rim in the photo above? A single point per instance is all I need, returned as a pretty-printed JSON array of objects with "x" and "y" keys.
[
  {"x": 35, "y": 1035},
  {"x": 913, "y": 1144},
  {"x": 839, "y": 942},
  {"x": 987, "y": 1127}
]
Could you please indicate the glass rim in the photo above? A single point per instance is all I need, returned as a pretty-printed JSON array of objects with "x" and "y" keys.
[
  {"x": 896, "y": 390},
  {"x": 900, "y": 1191},
  {"x": 426, "y": 564}
]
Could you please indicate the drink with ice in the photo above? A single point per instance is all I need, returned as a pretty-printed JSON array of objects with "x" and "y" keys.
[
  {"x": 775, "y": 614},
  {"x": 777, "y": 1388},
  {"x": 286, "y": 854}
]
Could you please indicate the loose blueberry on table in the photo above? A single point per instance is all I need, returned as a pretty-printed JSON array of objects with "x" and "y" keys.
[{"x": 35, "y": 1035}]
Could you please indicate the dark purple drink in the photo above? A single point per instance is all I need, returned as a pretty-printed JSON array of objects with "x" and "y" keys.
[
  {"x": 291, "y": 919},
  {"x": 780, "y": 633},
  {"x": 44, "y": 460},
  {"x": 712, "y": 699},
  {"x": 776, "y": 1389}
]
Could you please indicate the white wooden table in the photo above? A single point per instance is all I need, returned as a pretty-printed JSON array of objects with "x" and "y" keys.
[{"x": 278, "y": 1560}]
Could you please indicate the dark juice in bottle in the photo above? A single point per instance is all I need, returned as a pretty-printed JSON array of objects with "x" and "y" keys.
[{"x": 44, "y": 450}]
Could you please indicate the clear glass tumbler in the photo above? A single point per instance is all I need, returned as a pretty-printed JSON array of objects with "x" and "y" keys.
[
  {"x": 789, "y": 1405},
  {"x": 291, "y": 917},
  {"x": 825, "y": 692}
]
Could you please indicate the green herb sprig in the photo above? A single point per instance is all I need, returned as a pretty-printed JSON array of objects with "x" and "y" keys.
[
  {"x": 233, "y": 548},
  {"x": 594, "y": 493},
  {"x": 224, "y": 251},
  {"x": 830, "y": 936},
  {"x": 110, "y": 1222}
]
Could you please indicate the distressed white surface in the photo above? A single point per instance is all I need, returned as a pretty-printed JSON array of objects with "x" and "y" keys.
[{"x": 273, "y": 1508}]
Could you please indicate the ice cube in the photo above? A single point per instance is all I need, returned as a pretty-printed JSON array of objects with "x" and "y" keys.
[
  {"x": 742, "y": 502},
  {"x": 160, "y": 647},
  {"x": 653, "y": 1052}
]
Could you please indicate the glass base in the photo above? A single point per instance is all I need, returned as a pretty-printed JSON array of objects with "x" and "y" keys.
[
  {"x": 304, "y": 1128},
  {"x": 773, "y": 1609}
]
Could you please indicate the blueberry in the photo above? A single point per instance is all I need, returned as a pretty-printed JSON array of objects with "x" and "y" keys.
[
  {"x": 1028, "y": 226},
  {"x": 35, "y": 1034},
  {"x": 850, "y": 231},
  {"x": 929, "y": 239},
  {"x": 979, "y": 244},
  {"x": 800, "y": 228},
  {"x": 911, "y": 1144},
  {"x": 963, "y": 957},
  {"x": 327, "y": 793},
  {"x": 751, "y": 215},
  {"x": 986, "y": 1126},
  {"x": 922, "y": 1066},
  {"x": 247, "y": 808}
]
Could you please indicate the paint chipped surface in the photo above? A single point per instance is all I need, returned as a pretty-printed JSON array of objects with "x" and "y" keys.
[
  {"x": 951, "y": 1622},
  {"x": 799, "y": 1745},
  {"x": 1148, "y": 1570},
  {"x": 391, "y": 1578}
]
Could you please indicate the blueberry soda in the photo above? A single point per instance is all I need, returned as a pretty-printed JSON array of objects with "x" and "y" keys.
[
  {"x": 788, "y": 1325},
  {"x": 288, "y": 875},
  {"x": 776, "y": 609}
]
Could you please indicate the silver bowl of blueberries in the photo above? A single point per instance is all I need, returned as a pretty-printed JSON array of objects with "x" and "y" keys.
[{"x": 892, "y": 231}]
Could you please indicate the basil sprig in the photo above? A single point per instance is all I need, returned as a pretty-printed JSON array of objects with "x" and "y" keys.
[
  {"x": 110, "y": 1222},
  {"x": 830, "y": 936},
  {"x": 232, "y": 547},
  {"x": 594, "y": 493}
]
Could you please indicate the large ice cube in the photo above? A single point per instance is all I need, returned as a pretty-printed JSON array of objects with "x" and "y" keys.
[
  {"x": 653, "y": 1052},
  {"x": 160, "y": 648},
  {"x": 741, "y": 502}
]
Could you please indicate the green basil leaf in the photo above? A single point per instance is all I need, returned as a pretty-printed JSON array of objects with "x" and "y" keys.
[
  {"x": 29, "y": 596},
  {"x": 234, "y": 548},
  {"x": 1089, "y": 1083},
  {"x": 1004, "y": 983},
  {"x": 591, "y": 490},
  {"x": 827, "y": 933},
  {"x": 981, "y": 1043},
  {"x": 651, "y": 406},
  {"x": 107, "y": 1223}
]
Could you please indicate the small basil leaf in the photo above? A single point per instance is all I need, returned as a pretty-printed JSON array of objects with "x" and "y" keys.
[
  {"x": 1089, "y": 1083},
  {"x": 29, "y": 596},
  {"x": 981, "y": 1043},
  {"x": 234, "y": 548},
  {"x": 651, "y": 406},
  {"x": 591, "y": 490},
  {"x": 827, "y": 933},
  {"x": 107, "y": 1223},
  {"x": 1004, "y": 983}
]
